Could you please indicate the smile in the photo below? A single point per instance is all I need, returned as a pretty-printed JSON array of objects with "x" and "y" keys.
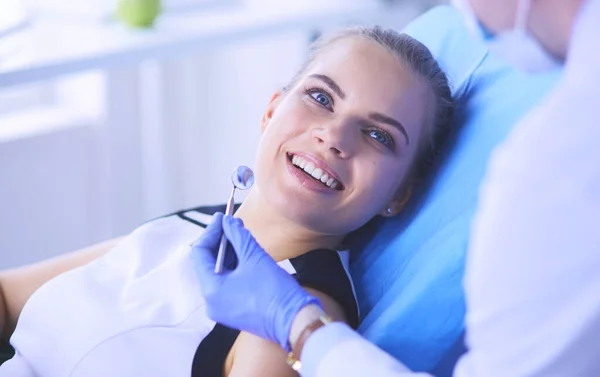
[{"x": 317, "y": 173}]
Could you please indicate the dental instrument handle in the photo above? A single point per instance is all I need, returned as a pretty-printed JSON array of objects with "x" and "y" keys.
[{"x": 223, "y": 244}]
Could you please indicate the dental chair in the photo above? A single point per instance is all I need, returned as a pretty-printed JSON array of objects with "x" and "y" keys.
[{"x": 408, "y": 270}]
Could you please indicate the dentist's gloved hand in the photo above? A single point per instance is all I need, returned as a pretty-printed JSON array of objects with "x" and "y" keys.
[{"x": 257, "y": 296}]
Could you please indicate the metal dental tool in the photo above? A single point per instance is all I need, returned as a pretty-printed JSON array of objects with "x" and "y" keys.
[{"x": 242, "y": 178}]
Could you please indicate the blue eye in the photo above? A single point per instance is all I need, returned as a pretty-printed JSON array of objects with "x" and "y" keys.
[
  {"x": 321, "y": 98},
  {"x": 381, "y": 137}
]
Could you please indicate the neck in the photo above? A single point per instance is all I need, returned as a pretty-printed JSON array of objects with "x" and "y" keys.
[
  {"x": 552, "y": 23},
  {"x": 280, "y": 237}
]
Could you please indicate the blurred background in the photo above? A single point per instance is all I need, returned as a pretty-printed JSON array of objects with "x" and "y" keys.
[{"x": 113, "y": 112}]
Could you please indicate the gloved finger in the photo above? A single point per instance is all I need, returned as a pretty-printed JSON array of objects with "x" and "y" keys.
[
  {"x": 204, "y": 266},
  {"x": 242, "y": 240},
  {"x": 212, "y": 234},
  {"x": 233, "y": 232},
  {"x": 204, "y": 249},
  {"x": 204, "y": 262}
]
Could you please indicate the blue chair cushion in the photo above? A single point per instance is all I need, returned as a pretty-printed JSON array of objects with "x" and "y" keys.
[{"x": 408, "y": 270}]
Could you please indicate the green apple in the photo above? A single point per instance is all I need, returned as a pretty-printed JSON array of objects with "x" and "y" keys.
[{"x": 138, "y": 13}]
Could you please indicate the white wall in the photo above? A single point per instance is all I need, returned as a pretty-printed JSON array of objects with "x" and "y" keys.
[
  {"x": 44, "y": 195},
  {"x": 170, "y": 135}
]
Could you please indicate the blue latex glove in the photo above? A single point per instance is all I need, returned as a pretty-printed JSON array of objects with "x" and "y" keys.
[{"x": 257, "y": 296}]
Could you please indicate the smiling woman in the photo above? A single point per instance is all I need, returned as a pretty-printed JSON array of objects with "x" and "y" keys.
[
  {"x": 370, "y": 105},
  {"x": 341, "y": 144}
]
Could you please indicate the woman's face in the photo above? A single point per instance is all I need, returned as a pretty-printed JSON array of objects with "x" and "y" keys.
[{"x": 337, "y": 146}]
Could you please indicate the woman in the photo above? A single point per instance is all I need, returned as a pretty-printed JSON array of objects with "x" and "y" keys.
[{"x": 342, "y": 143}]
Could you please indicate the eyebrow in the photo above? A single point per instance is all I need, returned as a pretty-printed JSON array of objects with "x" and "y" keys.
[
  {"x": 331, "y": 84},
  {"x": 378, "y": 117}
]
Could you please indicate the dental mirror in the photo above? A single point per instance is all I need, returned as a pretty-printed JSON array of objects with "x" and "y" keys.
[{"x": 242, "y": 178}]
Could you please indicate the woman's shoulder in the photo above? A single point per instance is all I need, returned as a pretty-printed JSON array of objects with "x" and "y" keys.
[
  {"x": 161, "y": 235},
  {"x": 202, "y": 214}
]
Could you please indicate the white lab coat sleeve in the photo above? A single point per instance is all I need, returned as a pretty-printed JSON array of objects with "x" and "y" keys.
[
  {"x": 337, "y": 350},
  {"x": 533, "y": 271}
]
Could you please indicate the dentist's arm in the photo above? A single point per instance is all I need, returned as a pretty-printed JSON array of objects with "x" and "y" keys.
[
  {"x": 17, "y": 285},
  {"x": 337, "y": 350}
]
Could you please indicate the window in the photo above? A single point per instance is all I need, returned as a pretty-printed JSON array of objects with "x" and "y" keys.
[
  {"x": 12, "y": 15},
  {"x": 44, "y": 104},
  {"x": 33, "y": 109}
]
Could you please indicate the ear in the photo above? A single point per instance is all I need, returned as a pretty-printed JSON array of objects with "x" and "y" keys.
[
  {"x": 399, "y": 202},
  {"x": 264, "y": 122}
]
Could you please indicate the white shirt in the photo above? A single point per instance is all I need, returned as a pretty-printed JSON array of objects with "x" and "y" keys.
[
  {"x": 136, "y": 311},
  {"x": 533, "y": 273}
]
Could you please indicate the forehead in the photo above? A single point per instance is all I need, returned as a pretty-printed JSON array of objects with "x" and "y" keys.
[{"x": 374, "y": 80}]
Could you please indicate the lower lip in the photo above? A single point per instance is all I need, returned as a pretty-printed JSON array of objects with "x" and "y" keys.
[{"x": 307, "y": 182}]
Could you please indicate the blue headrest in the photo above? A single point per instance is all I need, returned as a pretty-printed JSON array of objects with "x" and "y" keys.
[{"x": 408, "y": 271}]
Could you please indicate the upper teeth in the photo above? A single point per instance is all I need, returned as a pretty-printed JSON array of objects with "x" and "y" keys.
[{"x": 316, "y": 173}]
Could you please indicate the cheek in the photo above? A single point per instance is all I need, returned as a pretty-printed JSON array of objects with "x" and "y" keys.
[
  {"x": 287, "y": 124},
  {"x": 379, "y": 182}
]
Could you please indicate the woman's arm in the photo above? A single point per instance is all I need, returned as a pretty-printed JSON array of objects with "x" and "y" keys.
[
  {"x": 252, "y": 356},
  {"x": 17, "y": 285}
]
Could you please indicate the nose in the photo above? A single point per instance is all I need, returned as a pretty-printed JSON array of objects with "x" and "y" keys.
[{"x": 335, "y": 138}]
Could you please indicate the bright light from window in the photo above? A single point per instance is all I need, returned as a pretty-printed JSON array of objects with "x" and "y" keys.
[{"x": 12, "y": 14}]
